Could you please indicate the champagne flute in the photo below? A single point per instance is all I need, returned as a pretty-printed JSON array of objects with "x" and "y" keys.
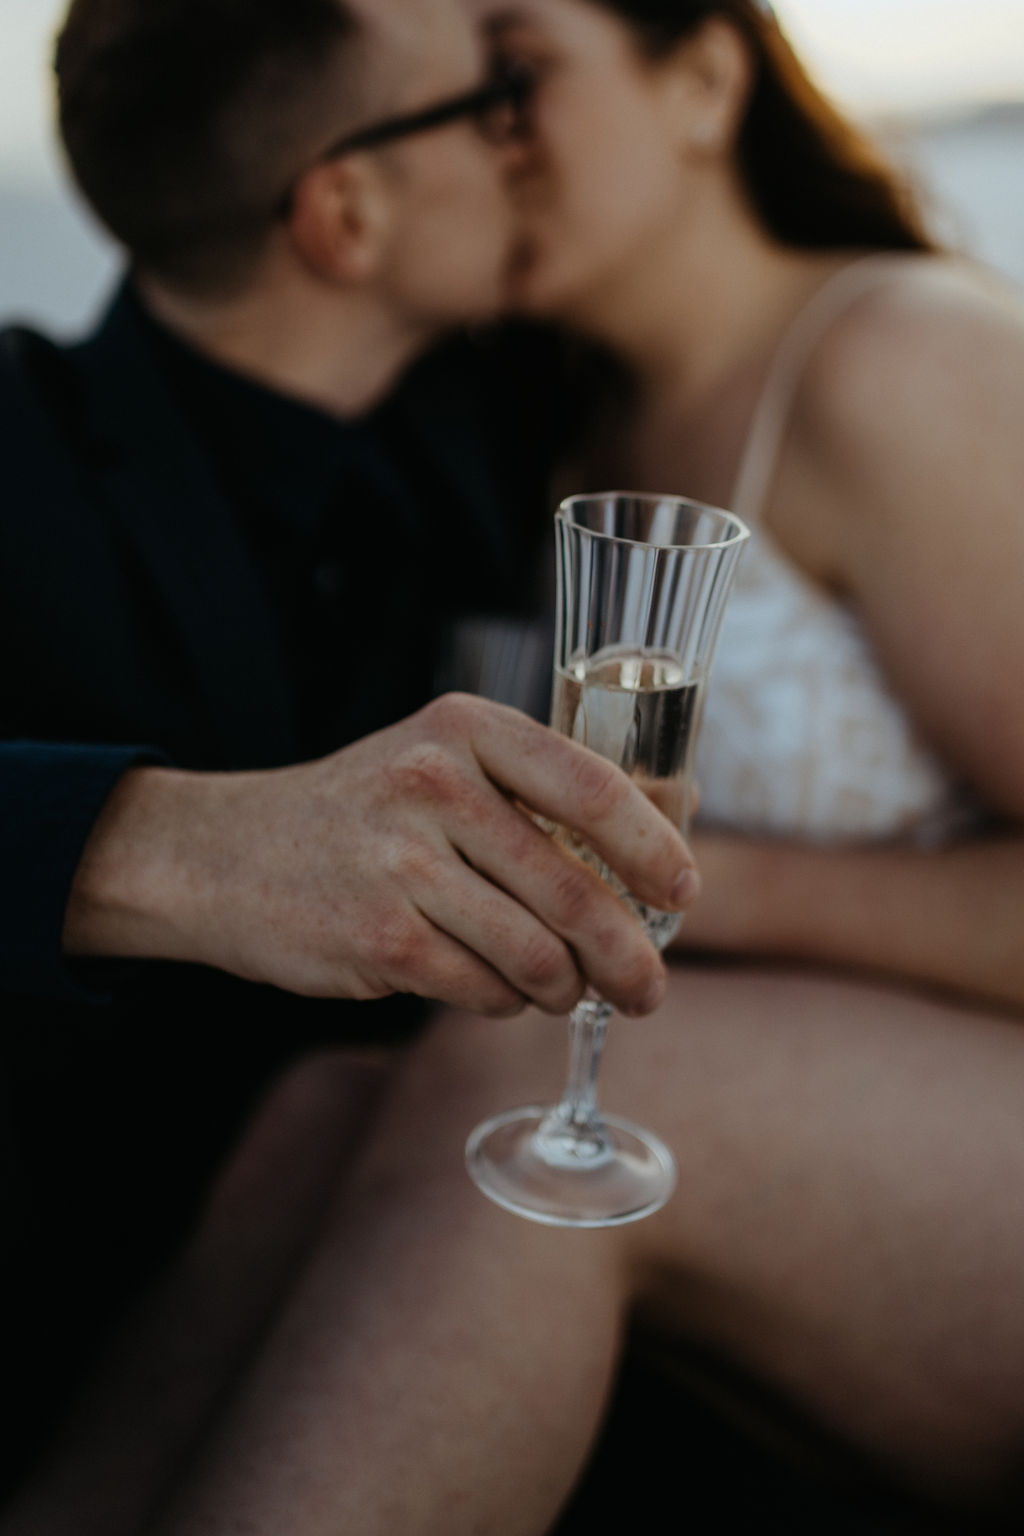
[{"x": 642, "y": 586}]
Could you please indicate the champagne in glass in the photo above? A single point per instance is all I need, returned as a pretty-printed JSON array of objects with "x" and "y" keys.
[
  {"x": 642, "y": 713},
  {"x": 642, "y": 585}
]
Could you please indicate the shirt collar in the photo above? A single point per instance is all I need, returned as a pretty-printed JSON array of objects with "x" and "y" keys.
[{"x": 264, "y": 443}]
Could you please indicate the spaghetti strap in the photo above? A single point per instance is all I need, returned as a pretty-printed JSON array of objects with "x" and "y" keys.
[{"x": 771, "y": 414}]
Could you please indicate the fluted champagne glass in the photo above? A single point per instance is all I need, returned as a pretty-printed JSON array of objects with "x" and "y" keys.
[{"x": 642, "y": 583}]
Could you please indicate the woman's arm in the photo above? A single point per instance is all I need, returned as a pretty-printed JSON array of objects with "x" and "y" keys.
[
  {"x": 912, "y": 422},
  {"x": 951, "y": 918},
  {"x": 904, "y": 488}
]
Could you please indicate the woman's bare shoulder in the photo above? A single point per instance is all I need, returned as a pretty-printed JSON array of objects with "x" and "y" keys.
[
  {"x": 912, "y": 294},
  {"x": 924, "y": 367}
]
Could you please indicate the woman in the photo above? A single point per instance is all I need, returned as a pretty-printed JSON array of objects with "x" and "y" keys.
[
  {"x": 792, "y": 346},
  {"x": 777, "y": 333},
  {"x": 849, "y": 1227}
]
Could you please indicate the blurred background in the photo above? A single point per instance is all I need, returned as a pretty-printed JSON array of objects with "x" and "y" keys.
[{"x": 941, "y": 81}]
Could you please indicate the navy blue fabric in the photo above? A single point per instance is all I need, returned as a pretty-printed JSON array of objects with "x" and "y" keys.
[
  {"x": 187, "y": 562},
  {"x": 52, "y": 794},
  {"x": 140, "y": 597}
]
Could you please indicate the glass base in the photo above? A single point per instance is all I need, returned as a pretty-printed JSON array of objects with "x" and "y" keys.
[{"x": 524, "y": 1161}]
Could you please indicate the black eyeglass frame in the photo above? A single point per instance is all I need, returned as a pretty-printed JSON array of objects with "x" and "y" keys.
[{"x": 510, "y": 87}]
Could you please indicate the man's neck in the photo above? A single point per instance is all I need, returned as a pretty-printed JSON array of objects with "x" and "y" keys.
[{"x": 342, "y": 356}]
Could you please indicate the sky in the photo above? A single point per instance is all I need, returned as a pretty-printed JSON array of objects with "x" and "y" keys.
[
  {"x": 892, "y": 55},
  {"x": 873, "y": 55}
]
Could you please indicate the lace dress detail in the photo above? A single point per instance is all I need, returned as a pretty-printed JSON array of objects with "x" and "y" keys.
[{"x": 802, "y": 736}]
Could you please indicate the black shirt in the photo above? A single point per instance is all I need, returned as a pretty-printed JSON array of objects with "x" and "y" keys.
[
  {"x": 367, "y": 554},
  {"x": 194, "y": 567}
]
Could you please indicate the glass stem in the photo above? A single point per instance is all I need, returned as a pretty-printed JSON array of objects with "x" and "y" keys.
[{"x": 588, "y": 1024}]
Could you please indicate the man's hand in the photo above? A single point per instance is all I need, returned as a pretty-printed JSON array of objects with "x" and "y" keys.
[{"x": 407, "y": 862}]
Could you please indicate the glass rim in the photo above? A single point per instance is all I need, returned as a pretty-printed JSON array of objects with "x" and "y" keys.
[{"x": 740, "y": 530}]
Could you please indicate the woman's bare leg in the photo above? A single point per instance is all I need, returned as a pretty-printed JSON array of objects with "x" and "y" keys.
[
  {"x": 849, "y": 1224},
  {"x": 172, "y": 1360},
  {"x": 850, "y": 1218},
  {"x": 442, "y": 1367}
]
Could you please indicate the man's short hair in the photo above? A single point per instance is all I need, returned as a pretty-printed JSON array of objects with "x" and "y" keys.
[{"x": 185, "y": 120}]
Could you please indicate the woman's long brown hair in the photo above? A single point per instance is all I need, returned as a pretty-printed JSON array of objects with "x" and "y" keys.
[{"x": 815, "y": 179}]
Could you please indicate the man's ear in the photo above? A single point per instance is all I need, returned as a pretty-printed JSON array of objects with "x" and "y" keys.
[
  {"x": 340, "y": 219},
  {"x": 713, "y": 73}
]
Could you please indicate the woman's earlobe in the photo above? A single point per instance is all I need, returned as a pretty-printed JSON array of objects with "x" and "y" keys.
[
  {"x": 706, "y": 134},
  {"x": 719, "y": 72}
]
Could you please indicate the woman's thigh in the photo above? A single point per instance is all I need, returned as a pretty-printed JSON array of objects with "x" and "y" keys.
[{"x": 849, "y": 1218}]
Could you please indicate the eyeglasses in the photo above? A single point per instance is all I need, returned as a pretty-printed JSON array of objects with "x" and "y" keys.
[{"x": 496, "y": 109}]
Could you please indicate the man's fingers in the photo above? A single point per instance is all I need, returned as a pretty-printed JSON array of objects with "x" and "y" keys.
[
  {"x": 534, "y": 961},
  {"x": 575, "y": 788},
  {"x": 528, "y": 906},
  {"x": 487, "y": 875},
  {"x": 446, "y": 886},
  {"x": 570, "y": 900},
  {"x": 419, "y": 956}
]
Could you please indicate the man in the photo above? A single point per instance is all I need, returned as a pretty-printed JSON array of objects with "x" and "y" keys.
[{"x": 231, "y": 533}]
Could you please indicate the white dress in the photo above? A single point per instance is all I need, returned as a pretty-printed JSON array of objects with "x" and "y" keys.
[{"x": 802, "y": 736}]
